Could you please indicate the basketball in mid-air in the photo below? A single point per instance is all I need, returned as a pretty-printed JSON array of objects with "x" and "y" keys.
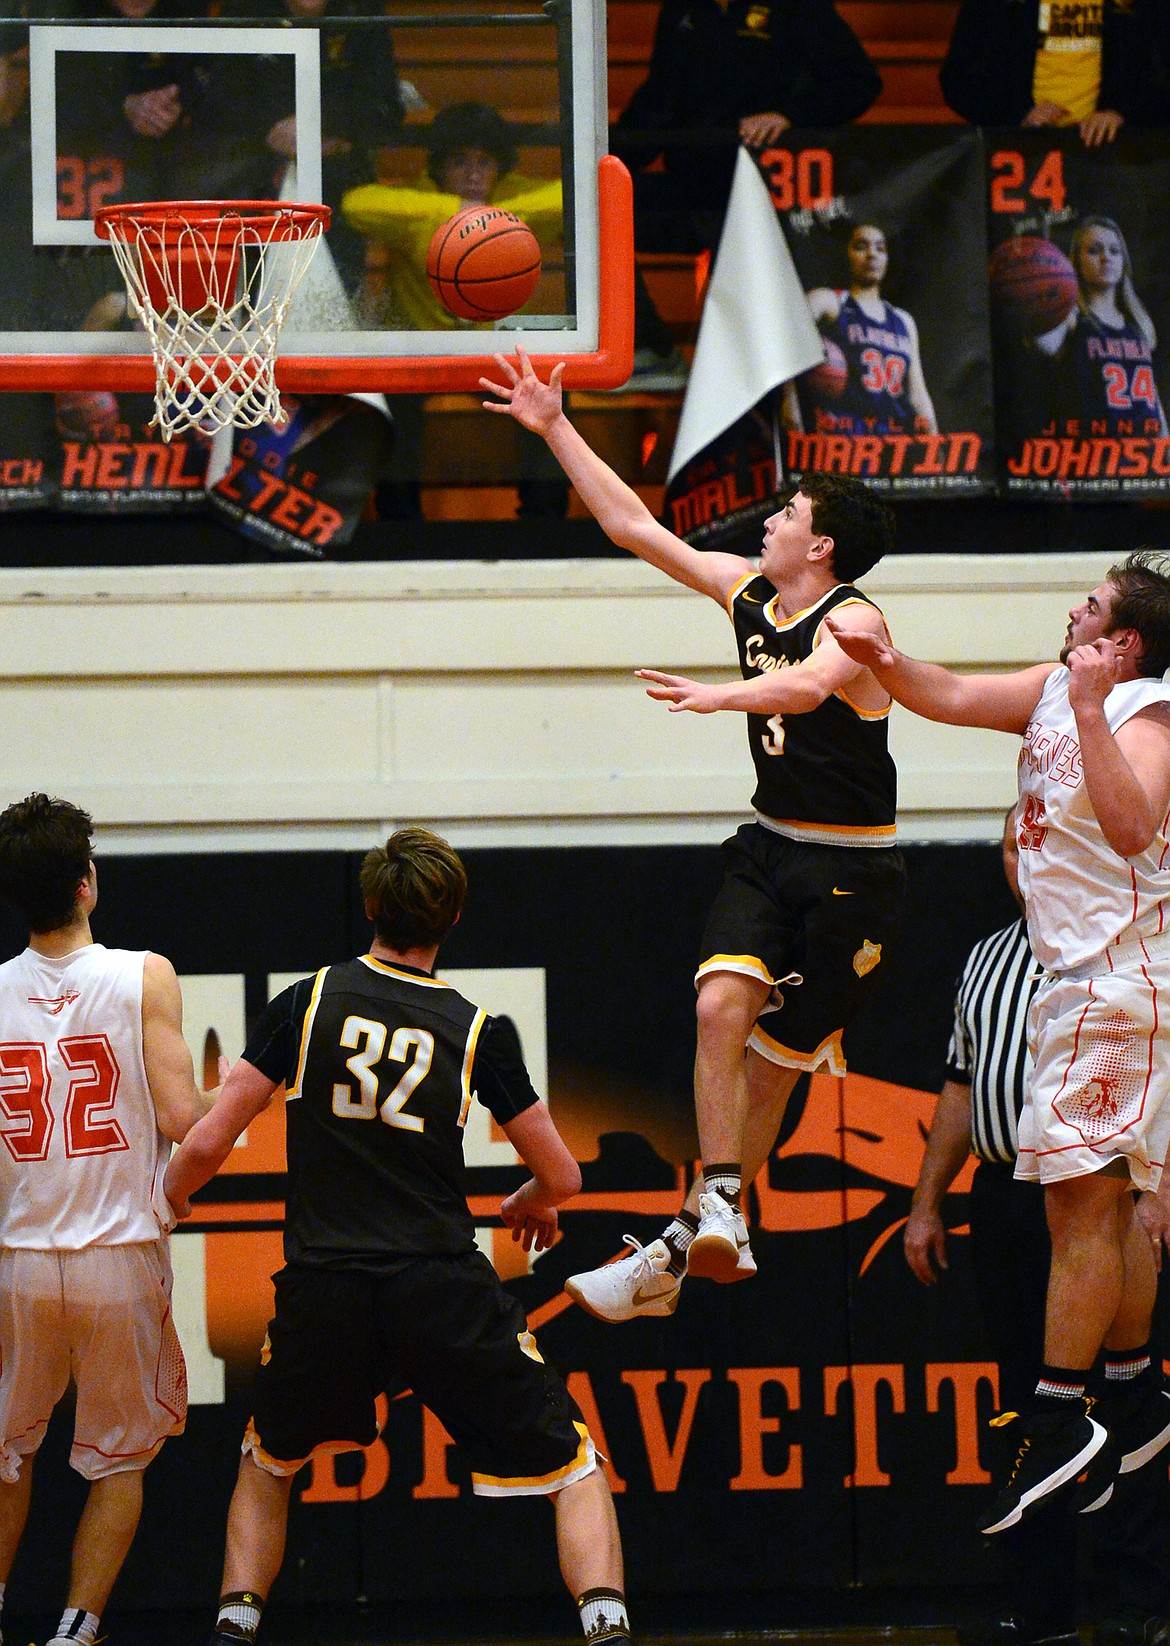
[
  {"x": 1033, "y": 282},
  {"x": 827, "y": 381},
  {"x": 483, "y": 263}
]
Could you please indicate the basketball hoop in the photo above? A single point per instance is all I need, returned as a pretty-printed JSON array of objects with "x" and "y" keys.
[{"x": 212, "y": 282}]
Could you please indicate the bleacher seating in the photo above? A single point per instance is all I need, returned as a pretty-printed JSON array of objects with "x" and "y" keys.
[{"x": 907, "y": 39}]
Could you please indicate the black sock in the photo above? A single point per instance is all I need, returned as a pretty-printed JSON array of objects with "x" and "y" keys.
[
  {"x": 724, "y": 1180},
  {"x": 677, "y": 1237},
  {"x": 1060, "y": 1391}
]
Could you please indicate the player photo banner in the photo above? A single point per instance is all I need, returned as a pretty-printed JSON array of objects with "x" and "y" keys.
[
  {"x": 303, "y": 486},
  {"x": 886, "y": 229},
  {"x": 1079, "y": 275}
]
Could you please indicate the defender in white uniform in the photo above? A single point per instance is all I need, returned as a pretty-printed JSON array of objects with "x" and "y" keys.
[
  {"x": 1094, "y": 776},
  {"x": 95, "y": 1082}
]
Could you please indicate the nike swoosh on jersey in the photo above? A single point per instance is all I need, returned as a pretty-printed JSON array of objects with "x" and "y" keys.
[{"x": 837, "y": 892}]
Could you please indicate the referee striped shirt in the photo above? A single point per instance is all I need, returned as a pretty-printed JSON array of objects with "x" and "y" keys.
[{"x": 989, "y": 1045}]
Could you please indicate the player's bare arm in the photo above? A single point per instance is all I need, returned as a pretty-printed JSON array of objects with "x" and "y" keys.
[
  {"x": 616, "y": 507},
  {"x": 244, "y": 1093},
  {"x": 531, "y": 1210},
  {"x": 796, "y": 690},
  {"x": 170, "y": 1072},
  {"x": 1127, "y": 772},
  {"x": 916, "y": 390},
  {"x": 998, "y": 702}
]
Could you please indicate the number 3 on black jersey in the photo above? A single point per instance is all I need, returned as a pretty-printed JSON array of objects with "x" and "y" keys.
[{"x": 366, "y": 1038}]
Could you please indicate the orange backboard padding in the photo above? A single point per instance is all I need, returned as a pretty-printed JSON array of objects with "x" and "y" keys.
[{"x": 608, "y": 366}]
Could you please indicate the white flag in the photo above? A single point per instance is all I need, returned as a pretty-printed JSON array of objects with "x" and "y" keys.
[{"x": 756, "y": 330}]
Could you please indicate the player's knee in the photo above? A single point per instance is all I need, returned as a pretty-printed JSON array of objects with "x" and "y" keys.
[{"x": 726, "y": 1006}]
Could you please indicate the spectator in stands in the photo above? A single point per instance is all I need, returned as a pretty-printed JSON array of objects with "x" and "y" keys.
[
  {"x": 722, "y": 74},
  {"x": 361, "y": 104},
  {"x": 1096, "y": 66},
  {"x": 471, "y": 161}
]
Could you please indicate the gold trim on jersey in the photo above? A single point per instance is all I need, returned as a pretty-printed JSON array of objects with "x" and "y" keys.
[
  {"x": 831, "y": 834},
  {"x": 737, "y": 589},
  {"x": 748, "y": 965},
  {"x": 468, "y": 1057},
  {"x": 799, "y": 617},
  {"x": 829, "y": 1051},
  {"x": 862, "y": 714},
  {"x": 387, "y": 970},
  {"x": 583, "y": 1464},
  {"x": 294, "y": 1090}
]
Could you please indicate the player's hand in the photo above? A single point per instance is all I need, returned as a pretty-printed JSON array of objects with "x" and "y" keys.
[
  {"x": 1153, "y": 1214},
  {"x": 531, "y": 1226},
  {"x": 153, "y": 113},
  {"x": 535, "y": 404},
  {"x": 758, "y": 130},
  {"x": 680, "y": 692},
  {"x": 1094, "y": 670},
  {"x": 1046, "y": 113},
  {"x": 282, "y": 138},
  {"x": 925, "y": 1244},
  {"x": 862, "y": 645},
  {"x": 1102, "y": 126}
]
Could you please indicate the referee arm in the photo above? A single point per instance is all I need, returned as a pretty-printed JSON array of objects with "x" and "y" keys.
[{"x": 947, "y": 1148}]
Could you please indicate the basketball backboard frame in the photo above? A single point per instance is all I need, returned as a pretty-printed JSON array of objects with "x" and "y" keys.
[{"x": 596, "y": 340}]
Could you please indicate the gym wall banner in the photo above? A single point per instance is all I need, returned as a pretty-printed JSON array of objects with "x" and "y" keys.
[
  {"x": 819, "y": 1427},
  {"x": 1080, "y": 304},
  {"x": 886, "y": 228}
]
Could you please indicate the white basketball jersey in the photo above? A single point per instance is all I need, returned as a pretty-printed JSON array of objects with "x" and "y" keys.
[
  {"x": 81, "y": 1155},
  {"x": 1081, "y": 896}
]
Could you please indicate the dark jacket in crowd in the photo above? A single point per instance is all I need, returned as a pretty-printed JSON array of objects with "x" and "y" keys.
[
  {"x": 987, "y": 75},
  {"x": 709, "y": 68}
]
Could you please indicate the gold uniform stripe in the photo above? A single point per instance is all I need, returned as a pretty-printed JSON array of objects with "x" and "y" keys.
[
  {"x": 468, "y": 1059},
  {"x": 306, "y": 1029}
]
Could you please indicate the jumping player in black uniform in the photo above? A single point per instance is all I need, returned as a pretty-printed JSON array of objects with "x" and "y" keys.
[
  {"x": 812, "y": 893},
  {"x": 383, "y": 1287}
]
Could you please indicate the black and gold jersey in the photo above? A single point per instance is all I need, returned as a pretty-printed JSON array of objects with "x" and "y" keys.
[
  {"x": 380, "y": 1063},
  {"x": 827, "y": 775}
]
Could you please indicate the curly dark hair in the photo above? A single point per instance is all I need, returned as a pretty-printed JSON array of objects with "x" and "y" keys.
[
  {"x": 44, "y": 854},
  {"x": 1142, "y": 602},
  {"x": 468, "y": 126},
  {"x": 859, "y": 522},
  {"x": 414, "y": 888}
]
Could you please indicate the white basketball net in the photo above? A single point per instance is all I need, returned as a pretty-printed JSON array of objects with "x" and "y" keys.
[{"x": 213, "y": 296}]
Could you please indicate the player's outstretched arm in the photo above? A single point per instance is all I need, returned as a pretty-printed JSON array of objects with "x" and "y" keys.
[
  {"x": 531, "y": 1211},
  {"x": 207, "y": 1145},
  {"x": 170, "y": 1072},
  {"x": 796, "y": 690},
  {"x": 616, "y": 507},
  {"x": 999, "y": 702}
]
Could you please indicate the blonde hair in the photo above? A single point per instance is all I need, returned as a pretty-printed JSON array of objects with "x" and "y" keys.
[
  {"x": 414, "y": 888},
  {"x": 1128, "y": 300}
]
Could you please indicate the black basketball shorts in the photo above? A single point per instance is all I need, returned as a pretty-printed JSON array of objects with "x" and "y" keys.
[
  {"x": 814, "y": 922},
  {"x": 442, "y": 1326}
]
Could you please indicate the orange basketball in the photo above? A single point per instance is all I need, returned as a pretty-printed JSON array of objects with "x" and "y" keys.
[
  {"x": 1033, "y": 282},
  {"x": 483, "y": 263},
  {"x": 828, "y": 380}
]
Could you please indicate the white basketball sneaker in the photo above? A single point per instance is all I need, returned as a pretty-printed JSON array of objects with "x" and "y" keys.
[
  {"x": 640, "y": 1284},
  {"x": 721, "y": 1250}
]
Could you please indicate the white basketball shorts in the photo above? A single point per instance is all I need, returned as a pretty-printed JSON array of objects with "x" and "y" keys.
[
  {"x": 1100, "y": 1087},
  {"x": 104, "y": 1315}
]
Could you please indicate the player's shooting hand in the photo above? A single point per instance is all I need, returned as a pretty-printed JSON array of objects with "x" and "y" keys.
[
  {"x": 535, "y": 404},
  {"x": 1046, "y": 113},
  {"x": 680, "y": 692},
  {"x": 862, "y": 645},
  {"x": 1153, "y": 1213},
  {"x": 758, "y": 130},
  {"x": 925, "y": 1244},
  {"x": 153, "y": 113},
  {"x": 1094, "y": 670},
  {"x": 1102, "y": 126}
]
